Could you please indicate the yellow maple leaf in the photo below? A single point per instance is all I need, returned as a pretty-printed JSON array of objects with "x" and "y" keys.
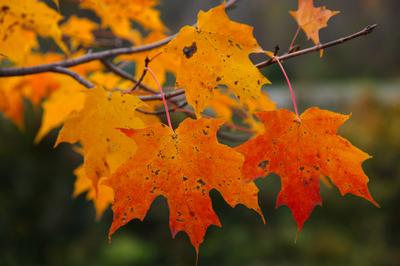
[
  {"x": 80, "y": 30},
  {"x": 14, "y": 90},
  {"x": 25, "y": 39},
  {"x": 59, "y": 106},
  {"x": 95, "y": 127},
  {"x": 21, "y": 18},
  {"x": 118, "y": 14},
  {"x": 68, "y": 98},
  {"x": 104, "y": 197},
  {"x": 213, "y": 53}
]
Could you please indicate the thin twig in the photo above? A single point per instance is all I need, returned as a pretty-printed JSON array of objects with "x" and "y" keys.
[
  {"x": 161, "y": 112},
  {"x": 116, "y": 70},
  {"x": 74, "y": 75},
  {"x": 367, "y": 30},
  {"x": 292, "y": 43},
  {"x": 168, "y": 95},
  {"x": 21, "y": 71},
  {"x": 146, "y": 64}
]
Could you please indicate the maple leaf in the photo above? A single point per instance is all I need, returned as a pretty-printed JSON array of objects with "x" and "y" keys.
[
  {"x": 300, "y": 153},
  {"x": 20, "y": 17},
  {"x": 118, "y": 14},
  {"x": 312, "y": 19},
  {"x": 183, "y": 167},
  {"x": 11, "y": 101},
  {"x": 102, "y": 200},
  {"x": 59, "y": 106},
  {"x": 216, "y": 52},
  {"x": 104, "y": 147},
  {"x": 80, "y": 30},
  {"x": 14, "y": 90},
  {"x": 68, "y": 98}
]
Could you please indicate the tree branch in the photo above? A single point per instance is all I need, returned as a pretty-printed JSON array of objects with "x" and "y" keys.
[
  {"x": 73, "y": 75},
  {"x": 168, "y": 95},
  {"x": 116, "y": 70},
  {"x": 367, "y": 30},
  {"x": 21, "y": 71},
  {"x": 161, "y": 112}
]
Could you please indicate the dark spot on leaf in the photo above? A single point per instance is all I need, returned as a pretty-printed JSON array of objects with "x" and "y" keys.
[
  {"x": 189, "y": 51},
  {"x": 263, "y": 164}
]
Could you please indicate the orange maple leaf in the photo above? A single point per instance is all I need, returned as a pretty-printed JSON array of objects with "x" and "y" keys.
[
  {"x": 312, "y": 19},
  {"x": 183, "y": 167},
  {"x": 301, "y": 153}
]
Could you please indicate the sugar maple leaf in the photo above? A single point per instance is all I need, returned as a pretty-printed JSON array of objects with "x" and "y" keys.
[
  {"x": 300, "y": 153},
  {"x": 102, "y": 200},
  {"x": 183, "y": 167},
  {"x": 14, "y": 90},
  {"x": 59, "y": 106},
  {"x": 118, "y": 14},
  {"x": 104, "y": 147},
  {"x": 68, "y": 98},
  {"x": 312, "y": 19},
  {"x": 19, "y": 17},
  {"x": 213, "y": 53},
  {"x": 79, "y": 30}
]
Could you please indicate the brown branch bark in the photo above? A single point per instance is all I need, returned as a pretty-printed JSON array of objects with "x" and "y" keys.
[
  {"x": 74, "y": 75},
  {"x": 168, "y": 95},
  {"x": 170, "y": 109},
  {"x": 367, "y": 30},
  {"x": 116, "y": 70}
]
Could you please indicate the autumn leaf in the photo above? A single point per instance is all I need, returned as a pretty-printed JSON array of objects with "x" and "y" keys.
[
  {"x": 118, "y": 15},
  {"x": 312, "y": 19},
  {"x": 95, "y": 127},
  {"x": 79, "y": 30},
  {"x": 59, "y": 106},
  {"x": 105, "y": 194},
  {"x": 14, "y": 90},
  {"x": 216, "y": 52},
  {"x": 68, "y": 98},
  {"x": 11, "y": 101},
  {"x": 300, "y": 152},
  {"x": 21, "y": 18},
  {"x": 183, "y": 167}
]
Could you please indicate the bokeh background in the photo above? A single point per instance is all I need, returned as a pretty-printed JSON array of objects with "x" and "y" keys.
[{"x": 41, "y": 224}]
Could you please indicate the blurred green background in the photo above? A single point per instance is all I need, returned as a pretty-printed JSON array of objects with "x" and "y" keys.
[{"x": 41, "y": 224}]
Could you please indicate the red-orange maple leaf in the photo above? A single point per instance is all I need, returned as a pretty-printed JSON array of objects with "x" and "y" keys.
[
  {"x": 301, "y": 152},
  {"x": 183, "y": 167}
]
